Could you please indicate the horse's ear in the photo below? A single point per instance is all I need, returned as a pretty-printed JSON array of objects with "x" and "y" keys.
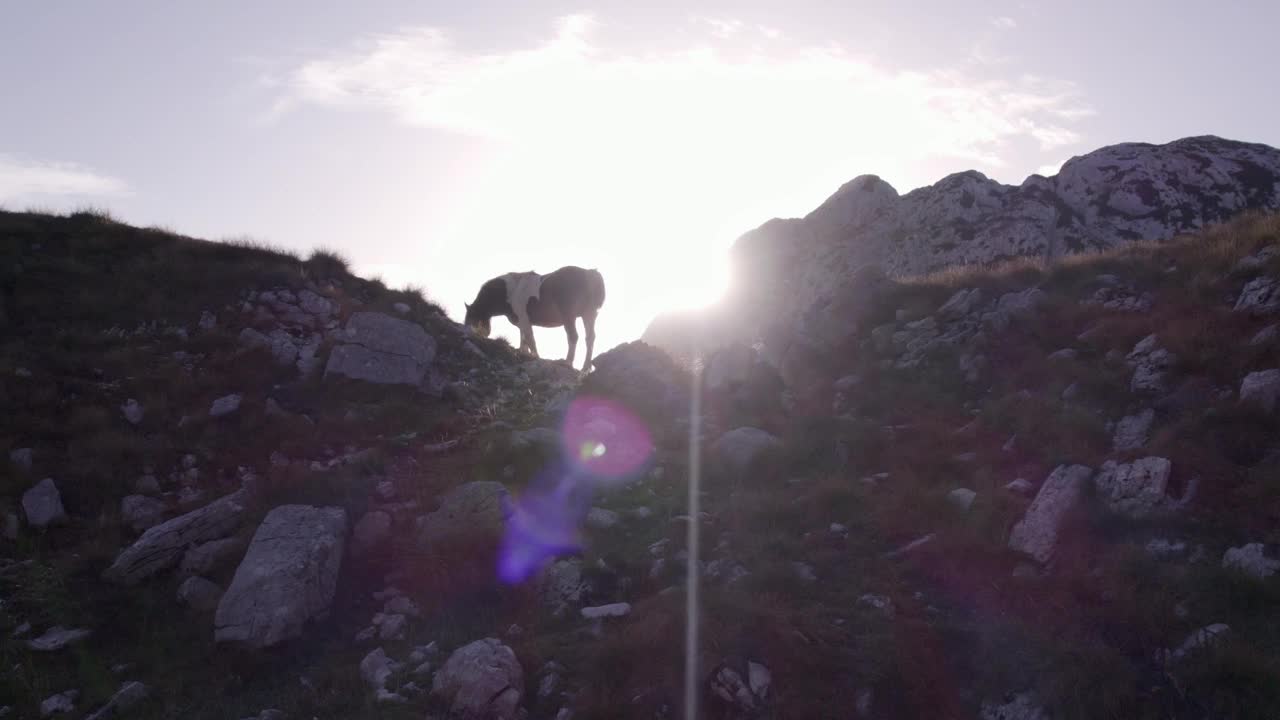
[{"x": 467, "y": 305}]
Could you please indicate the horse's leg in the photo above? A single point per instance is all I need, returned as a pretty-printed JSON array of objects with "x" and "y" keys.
[
  {"x": 571, "y": 333},
  {"x": 589, "y": 325},
  {"x": 533, "y": 342}
]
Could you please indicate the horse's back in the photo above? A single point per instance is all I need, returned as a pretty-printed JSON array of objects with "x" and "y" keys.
[{"x": 577, "y": 287}]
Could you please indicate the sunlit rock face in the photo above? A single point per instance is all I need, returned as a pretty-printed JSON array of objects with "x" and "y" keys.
[{"x": 1111, "y": 196}]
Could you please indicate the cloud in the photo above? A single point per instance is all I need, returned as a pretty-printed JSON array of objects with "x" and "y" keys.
[
  {"x": 1004, "y": 23},
  {"x": 23, "y": 179},
  {"x": 704, "y": 103},
  {"x": 723, "y": 28}
]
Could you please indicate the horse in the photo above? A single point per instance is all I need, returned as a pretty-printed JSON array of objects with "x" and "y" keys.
[{"x": 527, "y": 299}]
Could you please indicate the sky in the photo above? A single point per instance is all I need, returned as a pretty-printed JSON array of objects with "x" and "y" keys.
[{"x": 442, "y": 144}]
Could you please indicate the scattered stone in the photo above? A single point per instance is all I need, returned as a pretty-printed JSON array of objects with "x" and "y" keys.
[
  {"x": 1135, "y": 489},
  {"x": 1133, "y": 430},
  {"x": 1150, "y": 365},
  {"x": 1037, "y": 533},
  {"x": 476, "y": 507},
  {"x": 147, "y": 485},
  {"x": 614, "y": 610},
  {"x": 880, "y": 602},
  {"x": 376, "y": 668},
  {"x": 132, "y": 411},
  {"x": 63, "y": 702},
  {"x": 21, "y": 457},
  {"x": 1162, "y": 548},
  {"x": 225, "y": 405},
  {"x": 838, "y": 529},
  {"x": 1265, "y": 336},
  {"x": 403, "y": 606},
  {"x": 392, "y": 627},
  {"x": 130, "y": 693},
  {"x": 963, "y": 302},
  {"x": 482, "y": 679},
  {"x": 42, "y": 504},
  {"x": 1063, "y": 355},
  {"x": 1021, "y": 486},
  {"x": 601, "y": 519},
  {"x": 561, "y": 585},
  {"x": 1261, "y": 388},
  {"x": 422, "y": 670},
  {"x": 371, "y": 532},
  {"x": 162, "y": 546},
  {"x": 1260, "y": 296},
  {"x": 738, "y": 449},
  {"x": 1022, "y": 706},
  {"x": 1205, "y": 638},
  {"x": 141, "y": 512},
  {"x": 962, "y": 498},
  {"x": 746, "y": 695},
  {"x": 804, "y": 571},
  {"x": 199, "y": 594},
  {"x": 1252, "y": 560},
  {"x": 914, "y": 544},
  {"x": 21, "y": 630},
  {"x": 57, "y": 638},
  {"x": 287, "y": 577},
  {"x": 366, "y": 635}
]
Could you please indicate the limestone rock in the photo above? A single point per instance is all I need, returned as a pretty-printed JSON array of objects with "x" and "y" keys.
[
  {"x": 1135, "y": 489},
  {"x": 382, "y": 349},
  {"x": 1037, "y": 533},
  {"x": 199, "y": 594},
  {"x": 42, "y": 504},
  {"x": 141, "y": 512},
  {"x": 162, "y": 546},
  {"x": 57, "y": 638},
  {"x": 225, "y": 405},
  {"x": 1261, "y": 388},
  {"x": 1251, "y": 560},
  {"x": 482, "y": 679},
  {"x": 287, "y": 577},
  {"x": 1133, "y": 430},
  {"x": 210, "y": 556}
]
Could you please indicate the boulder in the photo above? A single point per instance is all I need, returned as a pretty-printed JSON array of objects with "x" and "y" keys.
[
  {"x": 162, "y": 546},
  {"x": 1135, "y": 489},
  {"x": 132, "y": 411},
  {"x": 744, "y": 687},
  {"x": 376, "y": 668},
  {"x": 287, "y": 577},
  {"x": 1150, "y": 364},
  {"x": 1251, "y": 560},
  {"x": 482, "y": 680},
  {"x": 141, "y": 512},
  {"x": 42, "y": 504},
  {"x": 1261, "y": 388},
  {"x": 1260, "y": 296},
  {"x": 381, "y": 349},
  {"x": 1133, "y": 430},
  {"x": 130, "y": 694},
  {"x": 225, "y": 405},
  {"x": 199, "y": 594},
  {"x": 643, "y": 378},
  {"x": 475, "y": 507},
  {"x": 1037, "y": 533},
  {"x": 737, "y": 449},
  {"x": 63, "y": 702},
  {"x": 561, "y": 585}
]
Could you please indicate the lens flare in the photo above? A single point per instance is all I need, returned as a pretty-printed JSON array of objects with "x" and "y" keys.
[{"x": 607, "y": 441}]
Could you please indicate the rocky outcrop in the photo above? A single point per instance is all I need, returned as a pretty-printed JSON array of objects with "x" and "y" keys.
[
  {"x": 481, "y": 680},
  {"x": 287, "y": 577},
  {"x": 162, "y": 546},
  {"x": 382, "y": 349},
  {"x": 643, "y": 378},
  {"x": 1037, "y": 533}
]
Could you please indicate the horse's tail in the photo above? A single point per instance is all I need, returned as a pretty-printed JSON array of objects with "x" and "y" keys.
[{"x": 595, "y": 289}]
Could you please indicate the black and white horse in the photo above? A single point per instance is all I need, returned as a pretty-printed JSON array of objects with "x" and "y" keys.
[{"x": 527, "y": 299}]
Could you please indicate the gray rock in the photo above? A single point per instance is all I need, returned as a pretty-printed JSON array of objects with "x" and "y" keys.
[
  {"x": 738, "y": 449},
  {"x": 42, "y": 504},
  {"x": 1022, "y": 706},
  {"x": 614, "y": 610},
  {"x": 962, "y": 498},
  {"x": 880, "y": 602},
  {"x": 392, "y": 627},
  {"x": 315, "y": 304},
  {"x": 208, "y": 320},
  {"x": 1260, "y": 296},
  {"x": 130, "y": 694},
  {"x": 1063, "y": 355},
  {"x": 963, "y": 302},
  {"x": 1020, "y": 485},
  {"x": 1203, "y": 639},
  {"x": 1162, "y": 548},
  {"x": 147, "y": 485},
  {"x": 21, "y": 457},
  {"x": 1133, "y": 430},
  {"x": 1261, "y": 388},
  {"x": 476, "y": 507},
  {"x": 744, "y": 688},
  {"x": 561, "y": 585},
  {"x": 371, "y": 532},
  {"x": 287, "y": 577},
  {"x": 1251, "y": 560},
  {"x": 162, "y": 546},
  {"x": 1037, "y": 533},
  {"x": 199, "y": 594},
  {"x": 376, "y": 668},
  {"x": 225, "y": 405},
  {"x": 141, "y": 512},
  {"x": 401, "y": 308},
  {"x": 132, "y": 411},
  {"x": 402, "y": 605},
  {"x": 1135, "y": 489},
  {"x": 602, "y": 519},
  {"x": 63, "y": 702},
  {"x": 482, "y": 679},
  {"x": 210, "y": 556},
  {"x": 57, "y": 638},
  {"x": 382, "y": 349},
  {"x": 1150, "y": 364},
  {"x": 1265, "y": 336}
]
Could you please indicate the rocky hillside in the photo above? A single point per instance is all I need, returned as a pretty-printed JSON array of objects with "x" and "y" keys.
[
  {"x": 241, "y": 484},
  {"x": 1098, "y": 201}
]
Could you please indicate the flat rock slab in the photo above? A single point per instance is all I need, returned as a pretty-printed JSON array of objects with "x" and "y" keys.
[
  {"x": 162, "y": 546},
  {"x": 382, "y": 349},
  {"x": 57, "y": 638},
  {"x": 1037, "y": 533},
  {"x": 287, "y": 577}
]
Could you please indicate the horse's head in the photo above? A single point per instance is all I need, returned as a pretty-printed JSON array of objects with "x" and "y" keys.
[{"x": 475, "y": 320}]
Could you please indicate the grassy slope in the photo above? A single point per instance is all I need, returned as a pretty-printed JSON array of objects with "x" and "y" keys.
[{"x": 965, "y": 628}]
